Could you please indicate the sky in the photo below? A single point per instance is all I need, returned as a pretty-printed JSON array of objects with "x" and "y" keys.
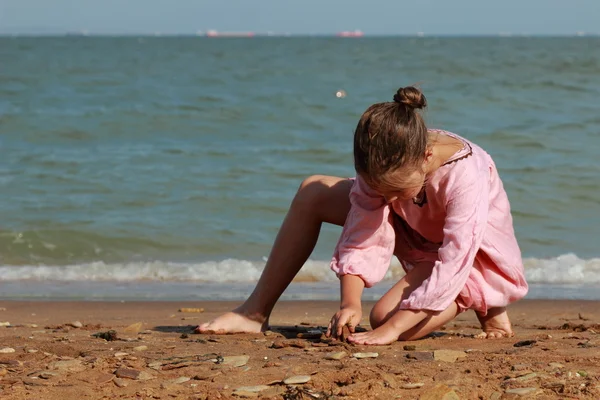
[{"x": 378, "y": 17}]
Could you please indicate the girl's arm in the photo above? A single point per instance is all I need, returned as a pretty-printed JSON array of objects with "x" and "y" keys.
[{"x": 367, "y": 241}]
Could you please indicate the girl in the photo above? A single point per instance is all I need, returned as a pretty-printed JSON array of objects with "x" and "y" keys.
[{"x": 430, "y": 197}]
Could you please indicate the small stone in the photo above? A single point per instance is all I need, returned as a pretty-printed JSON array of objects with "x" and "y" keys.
[
  {"x": 525, "y": 343},
  {"x": 98, "y": 377},
  {"x": 235, "y": 361},
  {"x": 208, "y": 375},
  {"x": 268, "y": 333},
  {"x": 526, "y": 377},
  {"x": 296, "y": 380},
  {"x": 439, "y": 392},
  {"x": 254, "y": 389},
  {"x": 520, "y": 367},
  {"x": 3, "y": 371},
  {"x": 140, "y": 348},
  {"x": 365, "y": 355},
  {"x": 420, "y": 355},
  {"x": 336, "y": 355},
  {"x": 521, "y": 391},
  {"x": 582, "y": 373},
  {"x": 410, "y": 347},
  {"x": 134, "y": 328},
  {"x": 127, "y": 373},
  {"x": 181, "y": 379},
  {"x": 556, "y": 365},
  {"x": 4, "y": 323},
  {"x": 7, "y": 350},
  {"x": 155, "y": 365},
  {"x": 448, "y": 355},
  {"x": 416, "y": 385},
  {"x": 245, "y": 394},
  {"x": 108, "y": 335},
  {"x": 47, "y": 375},
  {"x": 495, "y": 396},
  {"x": 120, "y": 382},
  {"x": 32, "y": 351},
  {"x": 145, "y": 376},
  {"x": 76, "y": 324},
  {"x": 68, "y": 365},
  {"x": 121, "y": 354},
  {"x": 191, "y": 310}
]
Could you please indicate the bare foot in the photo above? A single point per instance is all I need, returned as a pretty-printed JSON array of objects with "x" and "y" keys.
[
  {"x": 382, "y": 335},
  {"x": 234, "y": 322},
  {"x": 495, "y": 324}
]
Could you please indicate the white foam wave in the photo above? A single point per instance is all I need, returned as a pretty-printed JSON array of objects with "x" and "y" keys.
[{"x": 565, "y": 269}]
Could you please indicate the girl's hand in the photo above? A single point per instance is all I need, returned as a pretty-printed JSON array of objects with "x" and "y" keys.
[{"x": 346, "y": 316}]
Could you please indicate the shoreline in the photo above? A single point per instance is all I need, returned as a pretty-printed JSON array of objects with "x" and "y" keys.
[{"x": 557, "y": 354}]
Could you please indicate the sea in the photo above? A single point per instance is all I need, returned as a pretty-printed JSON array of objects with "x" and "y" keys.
[{"x": 160, "y": 168}]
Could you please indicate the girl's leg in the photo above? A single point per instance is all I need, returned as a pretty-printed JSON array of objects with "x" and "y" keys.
[
  {"x": 319, "y": 199},
  {"x": 388, "y": 304}
]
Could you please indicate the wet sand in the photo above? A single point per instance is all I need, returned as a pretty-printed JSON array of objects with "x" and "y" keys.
[{"x": 49, "y": 352}]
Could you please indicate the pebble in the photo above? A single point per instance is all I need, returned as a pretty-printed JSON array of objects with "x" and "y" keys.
[
  {"x": 4, "y": 323},
  {"x": 412, "y": 385},
  {"x": 155, "y": 365},
  {"x": 181, "y": 379},
  {"x": 253, "y": 389},
  {"x": 495, "y": 396},
  {"x": 120, "y": 382},
  {"x": 208, "y": 375},
  {"x": 47, "y": 375},
  {"x": 410, "y": 347},
  {"x": 7, "y": 350},
  {"x": 296, "y": 380},
  {"x": 245, "y": 394},
  {"x": 365, "y": 355},
  {"x": 76, "y": 324},
  {"x": 521, "y": 391},
  {"x": 140, "y": 348},
  {"x": 121, "y": 354},
  {"x": 191, "y": 310},
  {"x": 134, "y": 328},
  {"x": 235, "y": 361},
  {"x": 336, "y": 355},
  {"x": 69, "y": 365},
  {"x": 448, "y": 355},
  {"x": 556, "y": 365},
  {"x": 32, "y": 351},
  {"x": 128, "y": 373},
  {"x": 519, "y": 367},
  {"x": 526, "y": 377},
  {"x": 439, "y": 392},
  {"x": 3, "y": 371},
  {"x": 421, "y": 355},
  {"x": 525, "y": 343}
]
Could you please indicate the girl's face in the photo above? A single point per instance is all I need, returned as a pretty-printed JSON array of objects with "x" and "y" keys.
[{"x": 401, "y": 185}]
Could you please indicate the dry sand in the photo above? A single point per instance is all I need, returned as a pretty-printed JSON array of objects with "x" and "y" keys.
[{"x": 555, "y": 354}]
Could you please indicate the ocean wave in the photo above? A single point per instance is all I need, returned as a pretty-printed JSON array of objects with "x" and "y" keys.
[{"x": 564, "y": 269}]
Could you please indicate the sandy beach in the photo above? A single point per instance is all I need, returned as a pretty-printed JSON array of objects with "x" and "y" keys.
[{"x": 48, "y": 351}]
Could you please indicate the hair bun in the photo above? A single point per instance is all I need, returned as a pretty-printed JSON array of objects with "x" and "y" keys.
[{"x": 411, "y": 97}]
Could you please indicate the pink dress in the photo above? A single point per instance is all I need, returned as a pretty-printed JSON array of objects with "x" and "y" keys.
[{"x": 461, "y": 224}]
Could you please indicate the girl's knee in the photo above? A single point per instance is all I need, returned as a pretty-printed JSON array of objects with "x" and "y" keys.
[{"x": 378, "y": 316}]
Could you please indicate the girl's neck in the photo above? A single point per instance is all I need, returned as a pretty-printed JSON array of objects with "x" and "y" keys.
[{"x": 441, "y": 149}]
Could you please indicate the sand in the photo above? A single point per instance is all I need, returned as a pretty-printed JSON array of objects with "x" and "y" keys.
[{"x": 555, "y": 354}]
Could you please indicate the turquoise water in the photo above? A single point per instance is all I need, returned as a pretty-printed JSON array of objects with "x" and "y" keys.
[{"x": 174, "y": 159}]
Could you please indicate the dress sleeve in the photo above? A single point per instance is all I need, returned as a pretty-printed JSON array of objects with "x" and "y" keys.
[
  {"x": 464, "y": 228},
  {"x": 367, "y": 241}
]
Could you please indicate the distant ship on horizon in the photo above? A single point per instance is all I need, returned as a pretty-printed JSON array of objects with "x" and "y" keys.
[
  {"x": 214, "y": 33},
  {"x": 355, "y": 33}
]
